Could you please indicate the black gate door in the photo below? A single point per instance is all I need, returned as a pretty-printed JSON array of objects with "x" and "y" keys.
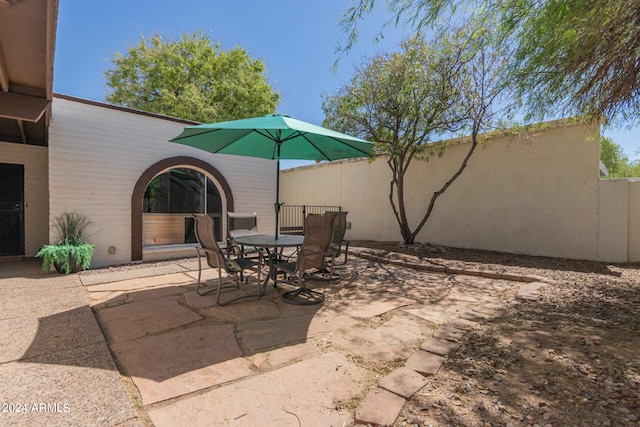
[{"x": 11, "y": 209}]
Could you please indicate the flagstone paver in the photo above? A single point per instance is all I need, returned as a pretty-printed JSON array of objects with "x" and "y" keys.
[
  {"x": 474, "y": 316},
  {"x": 403, "y": 382},
  {"x": 367, "y": 306},
  {"x": 440, "y": 312},
  {"x": 280, "y": 356},
  {"x": 449, "y": 333},
  {"x": 424, "y": 362},
  {"x": 259, "y": 335},
  {"x": 130, "y": 321},
  {"x": 379, "y": 407},
  {"x": 438, "y": 346},
  {"x": 259, "y": 309},
  {"x": 182, "y": 361},
  {"x": 463, "y": 324},
  {"x": 530, "y": 291},
  {"x": 305, "y": 393},
  {"x": 395, "y": 339}
]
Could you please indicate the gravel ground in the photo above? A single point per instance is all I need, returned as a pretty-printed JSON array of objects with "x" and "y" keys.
[{"x": 570, "y": 359}]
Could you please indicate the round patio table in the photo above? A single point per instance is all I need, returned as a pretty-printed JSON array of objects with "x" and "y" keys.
[{"x": 269, "y": 242}]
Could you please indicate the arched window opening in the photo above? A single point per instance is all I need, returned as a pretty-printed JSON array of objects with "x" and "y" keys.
[{"x": 169, "y": 201}]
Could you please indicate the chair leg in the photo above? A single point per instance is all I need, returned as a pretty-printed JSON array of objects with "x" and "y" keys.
[
  {"x": 199, "y": 277},
  {"x": 302, "y": 295},
  {"x": 346, "y": 252},
  {"x": 219, "y": 287},
  {"x": 222, "y": 287}
]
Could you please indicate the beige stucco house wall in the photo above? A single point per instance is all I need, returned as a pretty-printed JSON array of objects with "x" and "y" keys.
[
  {"x": 539, "y": 195},
  {"x": 97, "y": 154}
]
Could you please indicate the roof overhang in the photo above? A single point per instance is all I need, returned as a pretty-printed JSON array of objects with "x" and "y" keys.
[{"x": 27, "y": 44}]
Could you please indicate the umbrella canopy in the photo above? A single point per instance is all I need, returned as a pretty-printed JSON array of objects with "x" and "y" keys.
[{"x": 274, "y": 137}]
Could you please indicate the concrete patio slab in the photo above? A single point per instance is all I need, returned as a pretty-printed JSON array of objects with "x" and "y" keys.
[
  {"x": 30, "y": 278},
  {"x": 134, "y": 320},
  {"x": 79, "y": 386},
  {"x": 28, "y": 337},
  {"x": 306, "y": 393},
  {"x": 169, "y": 365},
  {"x": 38, "y": 302}
]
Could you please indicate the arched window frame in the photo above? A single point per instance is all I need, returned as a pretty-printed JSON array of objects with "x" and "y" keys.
[{"x": 160, "y": 167}]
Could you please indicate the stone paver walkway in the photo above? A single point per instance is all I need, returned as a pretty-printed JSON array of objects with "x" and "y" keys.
[{"x": 382, "y": 331}]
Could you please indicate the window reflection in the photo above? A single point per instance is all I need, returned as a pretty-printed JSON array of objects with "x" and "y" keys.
[{"x": 177, "y": 194}]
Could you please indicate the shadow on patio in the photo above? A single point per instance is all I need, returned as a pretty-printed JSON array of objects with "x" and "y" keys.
[{"x": 173, "y": 342}]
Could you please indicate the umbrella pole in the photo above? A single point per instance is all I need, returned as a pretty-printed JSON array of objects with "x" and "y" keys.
[{"x": 277, "y": 205}]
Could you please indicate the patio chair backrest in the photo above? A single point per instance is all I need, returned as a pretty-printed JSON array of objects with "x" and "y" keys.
[
  {"x": 339, "y": 227},
  {"x": 318, "y": 234},
  {"x": 242, "y": 224},
  {"x": 206, "y": 238}
]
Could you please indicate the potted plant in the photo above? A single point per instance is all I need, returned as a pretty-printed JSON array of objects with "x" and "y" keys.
[{"x": 71, "y": 252}]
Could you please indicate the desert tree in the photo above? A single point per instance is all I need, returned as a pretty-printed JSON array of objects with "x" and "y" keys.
[
  {"x": 190, "y": 78},
  {"x": 405, "y": 101},
  {"x": 572, "y": 57}
]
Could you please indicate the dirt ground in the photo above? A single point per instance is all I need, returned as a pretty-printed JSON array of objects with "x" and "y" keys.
[{"x": 570, "y": 359}]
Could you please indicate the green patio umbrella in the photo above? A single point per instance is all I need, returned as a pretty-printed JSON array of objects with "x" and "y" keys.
[{"x": 275, "y": 137}]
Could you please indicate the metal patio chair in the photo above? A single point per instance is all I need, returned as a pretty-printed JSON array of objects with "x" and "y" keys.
[
  {"x": 314, "y": 255},
  {"x": 338, "y": 241},
  {"x": 216, "y": 259},
  {"x": 240, "y": 225}
]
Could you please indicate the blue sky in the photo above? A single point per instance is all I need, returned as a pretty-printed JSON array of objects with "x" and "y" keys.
[{"x": 295, "y": 38}]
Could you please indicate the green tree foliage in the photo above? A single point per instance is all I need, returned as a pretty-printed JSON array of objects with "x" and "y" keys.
[
  {"x": 191, "y": 78},
  {"x": 583, "y": 55},
  {"x": 404, "y": 100},
  {"x": 572, "y": 56},
  {"x": 616, "y": 161}
]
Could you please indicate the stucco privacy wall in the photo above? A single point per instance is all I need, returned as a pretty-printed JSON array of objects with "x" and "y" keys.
[
  {"x": 36, "y": 196},
  {"x": 97, "y": 153},
  {"x": 619, "y": 220},
  {"x": 536, "y": 196}
]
